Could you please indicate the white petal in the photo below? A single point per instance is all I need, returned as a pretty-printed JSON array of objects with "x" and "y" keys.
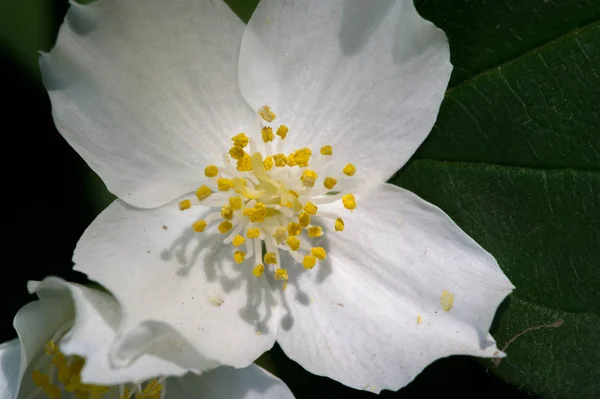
[
  {"x": 146, "y": 91},
  {"x": 10, "y": 353},
  {"x": 366, "y": 75},
  {"x": 251, "y": 382},
  {"x": 370, "y": 315},
  {"x": 177, "y": 286}
]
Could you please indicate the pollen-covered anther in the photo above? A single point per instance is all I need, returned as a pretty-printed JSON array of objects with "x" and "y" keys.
[
  {"x": 310, "y": 208},
  {"x": 294, "y": 229},
  {"x": 339, "y": 224},
  {"x": 211, "y": 171},
  {"x": 315, "y": 231},
  {"x": 271, "y": 258},
  {"x": 329, "y": 183},
  {"x": 280, "y": 235},
  {"x": 304, "y": 219},
  {"x": 258, "y": 270},
  {"x": 235, "y": 203},
  {"x": 282, "y": 131},
  {"x": 301, "y": 157},
  {"x": 203, "y": 193},
  {"x": 185, "y": 204},
  {"x": 239, "y": 256},
  {"x": 225, "y": 226},
  {"x": 280, "y": 160},
  {"x": 244, "y": 164},
  {"x": 293, "y": 243},
  {"x": 327, "y": 150},
  {"x": 199, "y": 226},
  {"x": 266, "y": 113},
  {"x": 281, "y": 274},
  {"x": 349, "y": 202},
  {"x": 240, "y": 140},
  {"x": 238, "y": 240},
  {"x": 268, "y": 163},
  {"x": 257, "y": 213},
  {"x": 349, "y": 170},
  {"x": 309, "y": 262},
  {"x": 224, "y": 184},
  {"x": 308, "y": 178},
  {"x": 267, "y": 134},
  {"x": 318, "y": 252},
  {"x": 236, "y": 152},
  {"x": 253, "y": 232}
]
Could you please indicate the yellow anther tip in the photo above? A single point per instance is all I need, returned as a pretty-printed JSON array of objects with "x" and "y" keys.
[
  {"x": 319, "y": 253},
  {"x": 309, "y": 262},
  {"x": 349, "y": 170},
  {"x": 238, "y": 240},
  {"x": 224, "y": 184},
  {"x": 315, "y": 231},
  {"x": 268, "y": 163},
  {"x": 271, "y": 258},
  {"x": 225, "y": 226},
  {"x": 339, "y": 224},
  {"x": 235, "y": 203},
  {"x": 203, "y": 193},
  {"x": 282, "y": 131},
  {"x": 199, "y": 226},
  {"x": 349, "y": 202},
  {"x": 294, "y": 229},
  {"x": 253, "y": 232},
  {"x": 240, "y": 140},
  {"x": 185, "y": 204},
  {"x": 308, "y": 178},
  {"x": 211, "y": 171},
  {"x": 329, "y": 183},
  {"x": 293, "y": 243},
  {"x": 281, "y": 274},
  {"x": 236, "y": 152},
  {"x": 304, "y": 219},
  {"x": 267, "y": 134},
  {"x": 266, "y": 113},
  {"x": 310, "y": 208},
  {"x": 239, "y": 256},
  {"x": 326, "y": 150},
  {"x": 258, "y": 270}
]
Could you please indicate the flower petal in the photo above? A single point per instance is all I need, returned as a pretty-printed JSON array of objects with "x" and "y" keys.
[
  {"x": 376, "y": 317},
  {"x": 350, "y": 73},
  {"x": 146, "y": 91},
  {"x": 252, "y": 382},
  {"x": 171, "y": 280},
  {"x": 10, "y": 354}
]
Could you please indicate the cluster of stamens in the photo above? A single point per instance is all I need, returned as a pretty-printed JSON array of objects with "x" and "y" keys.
[{"x": 266, "y": 196}]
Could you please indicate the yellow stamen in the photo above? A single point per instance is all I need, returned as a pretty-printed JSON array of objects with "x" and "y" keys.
[
  {"x": 308, "y": 178},
  {"x": 315, "y": 231},
  {"x": 310, "y": 208},
  {"x": 240, "y": 140},
  {"x": 244, "y": 164},
  {"x": 224, "y": 184},
  {"x": 267, "y": 134},
  {"x": 227, "y": 212},
  {"x": 326, "y": 150},
  {"x": 203, "y": 193},
  {"x": 256, "y": 214},
  {"x": 225, "y": 226},
  {"x": 349, "y": 202},
  {"x": 293, "y": 243},
  {"x": 349, "y": 170},
  {"x": 211, "y": 171},
  {"x": 239, "y": 256},
  {"x": 235, "y": 203},
  {"x": 329, "y": 183},
  {"x": 282, "y": 131},
  {"x": 280, "y": 160},
  {"x": 266, "y": 113},
  {"x": 281, "y": 274},
  {"x": 291, "y": 160},
  {"x": 301, "y": 157},
  {"x": 339, "y": 224},
  {"x": 304, "y": 219},
  {"x": 268, "y": 163},
  {"x": 238, "y": 240},
  {"x": 253, "y": 232},
  {"x": 271, "y": 258},
  {"x": 294, "y": 229},
  {"x": 309, "y": 262},
  {"x": 236, "y": 152},
  {"x": 185, "y": 204},
  {"x": 319, "y": 253},
  {"x": 258, "y": 270},
  {"x": 199, "y": 226}
]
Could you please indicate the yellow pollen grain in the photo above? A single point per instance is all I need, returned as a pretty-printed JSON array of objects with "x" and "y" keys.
[
  {"x": 310, "y": 208},
  {"x": 236, "y": 152},
  {"x": 309, "y": 262},
  {"x": 266, "y": 113},
  {"x": 280, "y": 160},
  {"x": 258, "y": 270},
  {"x": 253, "y": 232},
  {"x": 240, "y": 140},
  {"x": 268, "y": 163},
  {"x": 244, "y": 164},
  {"x": 327, "y": 150},
  {"x": 349, "y": 170},
  {"x": 238, "y": 240},
  {"x": 211, "y": 171},
  {"x": 203, "y": 193},
  {"x": 349, "y": 202},
  {"x": 185, "y": 204},
  {"x": 224, "y": 184},
  {"x": 267, "y": 134},
  {"x": 293, "y": 243},
  {"x": 302, "y": 157},
  {"x": 256, "y": 214},
  {"x": 339, "y": 224},
  {"x": 199, "y": 226},
  {"x": 329, "y": 183},
  {"x": 294, "y": 229},
  {"x": 282, "y": 131},
  {"x": 315, "y": 231},
  {"x": 308, "y": 178},
  {"x": 239, "y": 256},
  {"x": 318, "y": 252},
  {"x": 291, "y": 160},
  {"x": 227, "y": 212},
  {"x": 271, "y": 258},
  {"x": 235, "y": 203},
  {"x": 225, "y": 226},
  {"x": 281, "y": 274},
  {"x": 304, "y": 219},
  {"x": 446, "y": 300}
]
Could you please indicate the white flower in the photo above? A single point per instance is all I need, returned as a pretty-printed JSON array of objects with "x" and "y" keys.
[
  {"x": 155, "y": 94},
  {"x": 70, "y": 320}
]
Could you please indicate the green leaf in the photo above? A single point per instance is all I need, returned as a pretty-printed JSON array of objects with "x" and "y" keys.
[{"x": 514, "y": 159}]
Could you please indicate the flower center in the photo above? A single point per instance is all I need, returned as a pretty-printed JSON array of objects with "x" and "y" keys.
[{"x": 267, "y": 197}]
